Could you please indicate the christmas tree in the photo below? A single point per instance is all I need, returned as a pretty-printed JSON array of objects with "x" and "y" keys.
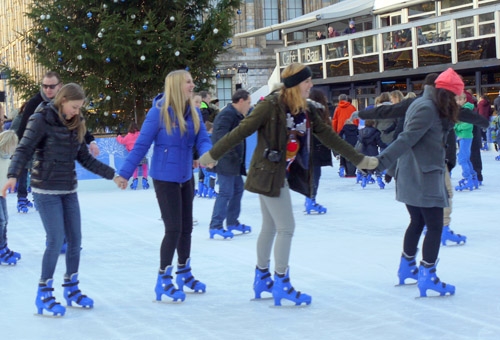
[{"x": 121, "y": 50}]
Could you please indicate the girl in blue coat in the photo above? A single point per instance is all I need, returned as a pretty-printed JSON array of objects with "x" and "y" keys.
[{"x": 175, "y": 126}]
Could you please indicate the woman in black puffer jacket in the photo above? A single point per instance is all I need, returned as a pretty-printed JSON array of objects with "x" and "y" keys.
[{"x": 54, "y": 138}]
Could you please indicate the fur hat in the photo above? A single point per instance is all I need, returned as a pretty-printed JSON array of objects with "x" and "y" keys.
[
  {"x": 451, "y": 81},
  {"x": 352, "y": 22}
]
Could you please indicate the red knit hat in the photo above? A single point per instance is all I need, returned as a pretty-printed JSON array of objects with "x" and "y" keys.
[{"x": 451, "y": 81}]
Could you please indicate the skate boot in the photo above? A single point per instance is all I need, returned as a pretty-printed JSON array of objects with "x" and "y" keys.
[
  {"x": 359, "y": 177},
  {"x": 8, "y": 257},
  {"x": 133, "y": 186},
  {"x": 221, "y": 232},
  {"x": 211, "y": 193},
  {"x": 497, "y": 158},
  {"x": 45, "y": 300},
  {"x": 73, "y": 294},
  {"x": 427, "y": 279},
  {"x": 464, "y": 184},
  {"x": 341, "y": 171},
  {"x": 22, "y": 205},
  {"x": 364, "y": 181},
  {"x": 313, "y": 207},
  {"x": 201, "y": 189},
  {"x": 475, "y": 182},
  {"x": 449, "y": 235},
  {"x": 244, "y": 229},
  {"x": 407, "y": 268},
  {"x": 165, "y": 286},
  {"x": 145, "y": 184},
  {"x": 282, "y": 289},
  {"x": 371, "y": 180},
  {"x": 262, "y": 282},
  {"x": 380, "y": 182},
  {"x": 185, "y": 278}
]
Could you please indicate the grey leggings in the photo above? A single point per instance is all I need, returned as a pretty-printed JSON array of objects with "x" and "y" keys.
[{"x": 277, "y": 217}]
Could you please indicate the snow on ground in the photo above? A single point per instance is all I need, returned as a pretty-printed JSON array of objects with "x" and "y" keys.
[{"x": 346, "y": 259}]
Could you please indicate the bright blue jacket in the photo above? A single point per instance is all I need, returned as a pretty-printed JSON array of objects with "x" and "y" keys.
[{"x": 172, "y": 159}]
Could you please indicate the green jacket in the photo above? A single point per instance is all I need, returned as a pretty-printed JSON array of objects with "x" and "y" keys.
[
  {"x": 464, "y": 130},
  {"x": 269, "y": 120}
]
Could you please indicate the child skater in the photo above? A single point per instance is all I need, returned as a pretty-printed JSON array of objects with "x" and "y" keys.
[
  {"x": 8, "y": 143},
  {"x": 370, "y": 138},
  {"x": 129, "y": 141}
]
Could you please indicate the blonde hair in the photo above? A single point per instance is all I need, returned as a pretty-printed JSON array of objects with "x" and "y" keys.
[
  {"x": 67, "y": 93},
  {"x": 396, "y": 94},
  {"x": 410, "y": 95},
  {"x": 291, "y": 97},
  {"x": 8, "y": 142},
  {"x": 174, "y": 97}
]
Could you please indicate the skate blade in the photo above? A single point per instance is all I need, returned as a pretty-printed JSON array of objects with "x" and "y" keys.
[
  {"x": 262, "y": 299},
  {"x": 405, "y": 284},
  {"x": 433, "y": 296},
  {"x": 80, "y": 307},
  {"x": 49, "y": 316},
  {"x": 171, "y": 302},
  {"x": 290, "y": 306}
]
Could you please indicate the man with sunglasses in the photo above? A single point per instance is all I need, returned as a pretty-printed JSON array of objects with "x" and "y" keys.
[{"x": 51, "y": 84}]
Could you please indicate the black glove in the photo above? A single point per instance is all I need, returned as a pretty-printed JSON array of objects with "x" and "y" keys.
[{"x": 387, "y": 178}]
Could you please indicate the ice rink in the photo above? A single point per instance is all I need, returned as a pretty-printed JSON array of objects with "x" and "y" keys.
[{"x": 346, "y": 260}]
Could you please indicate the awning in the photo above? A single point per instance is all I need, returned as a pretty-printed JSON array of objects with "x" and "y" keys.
[{"x": 324, "y": 16}]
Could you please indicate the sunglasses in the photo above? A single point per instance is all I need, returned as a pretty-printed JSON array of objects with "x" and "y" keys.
[{"x": 45, "y": 86}]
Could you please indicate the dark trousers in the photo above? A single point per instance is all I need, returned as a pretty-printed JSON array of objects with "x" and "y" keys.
[
  {"x": 22, "y": 184},
  {"x": 475, "y": 153},
  {"x": 176, "y": 207},
  {"x": 420, "y": 217}
]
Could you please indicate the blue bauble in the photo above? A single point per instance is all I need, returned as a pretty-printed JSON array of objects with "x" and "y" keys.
[
  {"x": 47, "y": 29},
  {"x": 192, "y": 37},
  {"x": 59, "y": 53},
  {"x": 60, "y": 59},
  {"x": 238, "y": 12},
  {"x": 84, "y": 45},
  {"x": 66, "y": 28},
  {"x": 89, "y": 15},
  {"x": 145, "y": 27},
  {"x": 108, "y": 60},
  {"x": 187, "y": 68},
  {"x": 229, "y": 41}
]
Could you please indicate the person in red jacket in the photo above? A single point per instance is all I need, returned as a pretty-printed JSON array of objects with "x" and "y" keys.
[
  {"x": 342, "y": 113},
  {"x": 129, "y": 141}
]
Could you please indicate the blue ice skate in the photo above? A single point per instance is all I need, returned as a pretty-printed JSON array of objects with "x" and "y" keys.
[
  {"x": 8, "y": 256},
  {"x": 364, "y": 181},
  {"x": 427, "y": 279},
  {"x": 407, "y": 269},
  {"x": 341, "y": 171},
  {"x": 73, "y": 294},
  {"x": 282, "y": 289},
  {"x": 262, "y": 282},
  {"x": 45, "y": 300},
  {"x": 134, "y": 184},
  {"x": 145, "y": 184},
  {"x": 221, "y": 232},
  {"x": 380, "y": 182},
  {"x": 242, "y": 228},
  {"x": 465, "y": 184},
  {"x": 22, "y": 205},
  {"x": 449, "y": 235},
  {"x": 313, "y": 207},
  {"x": 164, "y": 286},
  {"x": 185, "y": 278}
]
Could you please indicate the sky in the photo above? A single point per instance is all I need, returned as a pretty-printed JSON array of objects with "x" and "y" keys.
[{"x": 346, "y": 259}]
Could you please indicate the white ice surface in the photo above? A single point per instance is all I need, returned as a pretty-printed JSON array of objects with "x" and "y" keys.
[{"x": 347, "y": 260}]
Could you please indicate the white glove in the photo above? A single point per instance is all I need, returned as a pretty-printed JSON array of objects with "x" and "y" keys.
[
  {"x": 368, "y": 163},
  {"x": 207, "y": 161}
]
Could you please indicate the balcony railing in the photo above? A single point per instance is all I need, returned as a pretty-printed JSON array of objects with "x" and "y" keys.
[{"x": 459, "y": 37}]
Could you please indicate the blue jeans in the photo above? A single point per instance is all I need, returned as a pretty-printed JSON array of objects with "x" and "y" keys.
[
  {"x": 464, "y": 157},
  {"x": 4, "y": 217},
  {"x": 60, "y": 216},
  {"x": 228, "y": 202}
]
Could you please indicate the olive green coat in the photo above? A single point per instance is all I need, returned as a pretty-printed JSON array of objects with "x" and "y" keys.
[{"x": 269, "y": 120}]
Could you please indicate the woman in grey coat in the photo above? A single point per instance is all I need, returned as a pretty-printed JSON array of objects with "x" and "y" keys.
[{"x": 419, "y": 155}]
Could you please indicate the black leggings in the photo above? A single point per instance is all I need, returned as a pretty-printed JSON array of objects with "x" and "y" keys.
[
  {"x": 176, "y": 207},
  {"x": 420, "y": 217}
]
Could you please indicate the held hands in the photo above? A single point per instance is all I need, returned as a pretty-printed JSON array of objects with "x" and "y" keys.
[
  {"x": 368, "y": 163},
  {"x": 207, "y": 161},
  {"x": 121, "y": 182},
  {"x": 11, "y": 184}
]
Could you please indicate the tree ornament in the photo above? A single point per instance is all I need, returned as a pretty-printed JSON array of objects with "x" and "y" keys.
[
  {"x": 103, "y": 30},
  {"x": 104, "y": 6},
  {"x": 28, "y": 58},
  {"x": 42, "y": 17},
  {"x": 106, "y": 82},
  {"x": 89, "y": 15},
  {"x": 143, "y": 58},
  {"x": 192, "y": 37},
  {"x": 66, "y": 28},
  {"x": 177, "y": 53},
  {"x": 229, "y": 41},
  {"x": 216, "y": 31},
  {"x": 108, "y": 59},
  {"x": 203, "y": 80},
  {"x": 139, "y": 41},
  {"x": 59, "y": 53},
  {"x": 132, "y": 16},
  {"x": 172, "y": 18},
  {"x": 145, "y": 27},
  {"x": 84, "y": 45},
  {"x": 100, "y": 34},
  {"x": 60, "y": 59},
  {"x": 39, "y": 41},
  {"x": 113, "y": 115},
  {"x": 47, "y": 16},
  {"x": 47, "y": 30},
  {"x": 187, "y": 68},
  {"x": 238, "y": 11},
  {"x": 79, "y": 57},
  {"x": 106, "y": 113},
  {"x": 108, "y": 98}
]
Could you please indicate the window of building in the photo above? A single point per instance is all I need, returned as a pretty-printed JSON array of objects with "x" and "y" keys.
[
  {"x": 224, "y": 91},
  {"x": 422, "y": 11},
  {"x": 271, "y": 17},
  {"x": 295, "y": 9}
]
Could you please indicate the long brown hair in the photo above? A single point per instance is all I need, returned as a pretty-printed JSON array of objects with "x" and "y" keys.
[
  {"x": 291, "y": 97},
  {"x": 446, "y": 104},
  {"x": 69, "y": 92},
  {"x": 319, "y": 97}
]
